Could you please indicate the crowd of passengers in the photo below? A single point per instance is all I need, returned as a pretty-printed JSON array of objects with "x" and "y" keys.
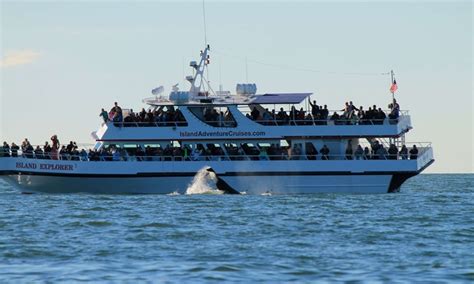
[
  {"x": 49, "y": 151},
  {"x": 379, "y": 152},
  {"x": 159, "y": 117},
  {"x": 319, "y": 115},
  {"x": 218, "y": 118},
  {"x": 212, "y": 152}
]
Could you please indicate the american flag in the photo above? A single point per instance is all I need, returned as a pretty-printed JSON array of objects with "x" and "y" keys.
[{"x": 394, "y": 86}]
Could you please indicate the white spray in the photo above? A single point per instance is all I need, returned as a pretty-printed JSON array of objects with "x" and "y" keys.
[{"x": 204, "y": 182}]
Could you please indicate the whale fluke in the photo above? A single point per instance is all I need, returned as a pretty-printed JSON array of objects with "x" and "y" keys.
[{"x": 222, "y": 185}]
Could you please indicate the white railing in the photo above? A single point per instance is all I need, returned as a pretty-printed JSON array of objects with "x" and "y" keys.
[
  {"x": 342, "y": 120},
  {"x": 423, "y": 148},
  {"x": 148, "y": 123},
  {"x": 274, "y": 121}
]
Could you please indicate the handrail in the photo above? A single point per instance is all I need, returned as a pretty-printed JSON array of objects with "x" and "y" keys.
[
  {"x": 329, "y": 121},
  {"x": 274, "y": 121},
  {"x": 270, "y": 122},
  {"x": 332, "y": 111},
  {"x": 148, "y": 123},
  {"x": 261, "y": 157}
]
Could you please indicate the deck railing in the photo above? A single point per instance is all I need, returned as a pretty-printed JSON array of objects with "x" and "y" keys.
[
  {"x": 423, "y": 147},
  {"x": 342, "y": 120},
  {"x": 274, "y": 121},
  {"x": 148, "y": 123}
]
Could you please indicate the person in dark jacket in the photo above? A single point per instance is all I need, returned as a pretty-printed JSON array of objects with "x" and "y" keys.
[
  {"x": 392, "y": 152},
  {"x": 380, "y": 116},
  {"x": 29, "y": 150},
  {"x": 5, "y": 150},
  {"x": 349, "y": 152},
  {"x": 404, "y": 153},
  {"x": 366, "y": 153},
  {"x": 324, "y": 153},
  {"x": 359, "y": 153},
  {"x": 39, "y": 154},
  {"x": 47, "y": 150},
  {"x": 14, "y": 148},
  {"x": 414, "y": 153}
]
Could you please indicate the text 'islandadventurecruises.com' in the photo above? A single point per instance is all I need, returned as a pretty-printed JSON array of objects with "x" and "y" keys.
[{"x": 221, "y": 133}]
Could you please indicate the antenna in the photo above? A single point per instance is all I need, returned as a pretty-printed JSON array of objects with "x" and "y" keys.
[
  {"x": 246, "y": 70},
  {"x": 204, "y": 20},
  {"x": 183, "y": 64},
  {"x": 220, "y": 74}
]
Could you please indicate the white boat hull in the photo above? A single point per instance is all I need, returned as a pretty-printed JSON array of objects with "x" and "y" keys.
[
  {"x": 166, "y": 185},
  {"x": 251, "y": 177}
]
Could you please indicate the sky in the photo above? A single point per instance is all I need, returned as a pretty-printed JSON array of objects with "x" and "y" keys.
[{"x": 62, "y": 61}]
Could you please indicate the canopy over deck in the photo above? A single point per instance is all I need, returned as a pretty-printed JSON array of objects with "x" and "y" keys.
[
  {"x": 281, "y": 98},
  {"x": 277, "y": 98}
]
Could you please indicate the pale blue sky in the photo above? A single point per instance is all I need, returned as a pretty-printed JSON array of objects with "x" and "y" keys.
[{"x": 63, "y": 61}]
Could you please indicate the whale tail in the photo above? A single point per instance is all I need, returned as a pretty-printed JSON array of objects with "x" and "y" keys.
[{"x": 221, "y": 184}]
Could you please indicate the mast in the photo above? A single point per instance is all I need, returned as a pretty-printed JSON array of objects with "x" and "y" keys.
[
  {"x": 199, "y": 80},
  {"x": 392, "y": 75},
  {"x": 204, "y": 22}
]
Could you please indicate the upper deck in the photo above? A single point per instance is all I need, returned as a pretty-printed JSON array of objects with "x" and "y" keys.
[{"x": 196, "y": 127}]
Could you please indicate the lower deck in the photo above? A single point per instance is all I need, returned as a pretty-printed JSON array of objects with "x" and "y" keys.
[{"x": 252, "y": 177}]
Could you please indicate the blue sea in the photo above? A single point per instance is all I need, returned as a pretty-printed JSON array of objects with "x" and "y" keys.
[{"x": 425, "y": 233}]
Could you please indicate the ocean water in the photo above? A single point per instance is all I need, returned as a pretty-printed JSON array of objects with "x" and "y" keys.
[{"x": 425, "y": 233}]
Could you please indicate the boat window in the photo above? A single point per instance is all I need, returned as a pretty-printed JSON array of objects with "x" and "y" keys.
[
  {"x": 260, "y": 145},
  {"x": 250, "y": 150},
  {"x": 129, "y": 145},
  {"x": 235, "y": 152},
  {"x": 214, "y": 116}
]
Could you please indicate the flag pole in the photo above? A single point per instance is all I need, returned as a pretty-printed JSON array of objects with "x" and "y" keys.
[{"x": 393, "y": 95}]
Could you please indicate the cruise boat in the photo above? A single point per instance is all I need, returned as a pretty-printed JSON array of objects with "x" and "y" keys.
[{"x": 242, "y": 142}]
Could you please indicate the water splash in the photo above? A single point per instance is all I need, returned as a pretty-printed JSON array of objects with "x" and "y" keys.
[{"x": 204, "y": 182}]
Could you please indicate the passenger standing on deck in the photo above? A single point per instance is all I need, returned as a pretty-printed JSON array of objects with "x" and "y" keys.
[
  {"x": 39, "y": 154},
  {"x": 255, "y": 114},
  {"x": 104, "y": 115},
  {"x": 366, "y": 153},
  {"x": 324, "y": 153},
  {"x": 349, "y": 151},
  {"x": 351, "y": 109},
  {"x": 382, "y": 152},
  {"x": 83, "y": 155},
  {"x": 117, "y": 111},
  {"x": 375, "y": 147},
  {"x": 28, "y": 151},
  {"x": 414, "y": 153},
  {"x": 24, "y": 145},
  {"x": 55, "y": 147},
  {"x": 14, "y": 148},
  {"x": 393, "y": 152},
  {"x": 325, "y": 113},
  {"x": 380, "y": 116},
  {"x": 6, "y": 150},
  {"x": 395, "y": 110},
  {"x": 47, "y": 150},
  {"x": 314, "y": 108},
  {"x": 404, "y": 152},
  {"x": 263, "y": 154},
  {"x": 359, "y": 153}
]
